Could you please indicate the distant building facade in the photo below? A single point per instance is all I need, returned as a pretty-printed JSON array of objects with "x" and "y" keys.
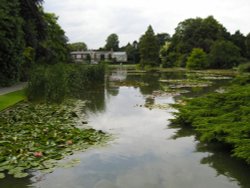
[{"x": 97, "y": 56}]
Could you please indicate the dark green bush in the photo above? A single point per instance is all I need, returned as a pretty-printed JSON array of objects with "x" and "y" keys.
[
  {"x": 221, "y": 117},
  {"x": 244, "y": 67},
  {"x": 54, "y": 83}
]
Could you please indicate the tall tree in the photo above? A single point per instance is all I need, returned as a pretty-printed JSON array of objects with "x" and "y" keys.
[
  {"x": 54, "y": 47},
  {"x": 132, "y": 53},
  {"x": 78, "y": 46},
  {"x": 149, "y": 48},
  {"x": 240, "y": 41},
  {"x": 112, "y": 42},
  {"x": 163, "y": 38},
  {"x": 247, "y": 42},
  {"x": 224, "y": 54},
  {"x": 12, "y": 41},
  {"x": 195, "y": 33}
]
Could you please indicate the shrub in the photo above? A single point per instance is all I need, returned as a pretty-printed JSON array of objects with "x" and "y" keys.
[
  {"x": 197, "y": 59},
  {"x": 221, "y": 117},
  {"x": 56, "y": 82},
  {"x": 244, "y": 67}
]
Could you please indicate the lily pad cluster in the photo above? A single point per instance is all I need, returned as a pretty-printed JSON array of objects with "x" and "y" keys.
[
  {"x": 130, "y": 83},
  {"x": 189, "y": 83},
  {"x": 36, "y": 136}
]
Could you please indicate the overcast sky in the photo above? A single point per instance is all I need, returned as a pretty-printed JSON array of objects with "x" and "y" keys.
[{"x": 91, "y": 21}]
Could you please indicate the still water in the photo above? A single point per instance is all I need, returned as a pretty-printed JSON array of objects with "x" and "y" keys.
[{"x": 146, "y": 152}]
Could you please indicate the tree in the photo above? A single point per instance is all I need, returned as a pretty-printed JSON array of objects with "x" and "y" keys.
[
  {"x": 54, "y": 47},
  {"x": 197, "y": 59},
  {"x": 132, "y": 53},
  {"x": 12, "y": 42},
  {"x": 224, "y": 54},
  {"x": 78, "y": 46},
  {"x": 163, "y": 38},
  {"x": 240, "y": 41},
  {"x": 112, "y": 42},
  {"x": 149, "y": 48},
  {"x": 247, "y": 42},
  {"x": 195, "y": 33}
]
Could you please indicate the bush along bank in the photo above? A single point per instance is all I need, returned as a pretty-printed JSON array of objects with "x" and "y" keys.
[
  {"x": 54, "y": 83},
  {"x": 221, "y": 117}
]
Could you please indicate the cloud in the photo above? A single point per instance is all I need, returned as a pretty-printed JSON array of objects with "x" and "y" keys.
[{"x": 91, "y": 21}]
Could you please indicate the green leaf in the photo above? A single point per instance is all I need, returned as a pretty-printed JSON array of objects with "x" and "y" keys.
[{"x": 2, "y": 175}]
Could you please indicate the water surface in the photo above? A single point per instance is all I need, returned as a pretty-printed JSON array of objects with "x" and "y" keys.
[{"x": 146, "y": 151}]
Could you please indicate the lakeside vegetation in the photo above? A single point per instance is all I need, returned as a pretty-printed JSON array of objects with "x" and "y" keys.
[
  {"x": 54, "y": 83},
  {"x": 221, "y": 117},
  {"x": 36, "y": 136},
  {"x": 12, "y": 98},
  {"x": 43, "y": 129}
]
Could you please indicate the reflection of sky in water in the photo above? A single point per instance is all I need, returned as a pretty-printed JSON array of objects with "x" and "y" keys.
[{"x": 141, "y": 156}]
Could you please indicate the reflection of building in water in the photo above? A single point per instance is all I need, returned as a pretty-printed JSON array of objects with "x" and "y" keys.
[
  {"x": 118, "y": 75},
  {"x": 97, "y": 56}
]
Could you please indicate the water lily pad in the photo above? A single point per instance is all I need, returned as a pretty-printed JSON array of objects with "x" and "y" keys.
[
  {"x": 20, "y": 175},
  {"x": 45, "y": 129},
  {"x": 2, "y": 175}
]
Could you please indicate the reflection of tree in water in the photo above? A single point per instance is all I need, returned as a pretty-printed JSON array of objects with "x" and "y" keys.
[
  {"x": 182, "y": 131},
  {"x": 151, "y": 81},
  {"x": 95, "y": 95},
  {"x": 10, "y": 182},
  {"x": 111, "y": 88},
  {"x": 219, "y": 158},
  {"x": 224, "y": 164}
]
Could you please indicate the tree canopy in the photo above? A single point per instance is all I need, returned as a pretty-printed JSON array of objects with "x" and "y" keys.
[
  {"x": 28, "y": 35},
  {"x": 224, "y": 54},
  {"x": 149, "y": 48},
  {"x": 78, "y": 46},
  {"x": 112, "y": 42},
  {"x": 206, "y": 34}
]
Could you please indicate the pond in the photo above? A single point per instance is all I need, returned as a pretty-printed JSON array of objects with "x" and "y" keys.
[{"x": 145, "y": 152}]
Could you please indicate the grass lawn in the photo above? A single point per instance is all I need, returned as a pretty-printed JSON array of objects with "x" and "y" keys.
[{"x": 12, "y": 98}]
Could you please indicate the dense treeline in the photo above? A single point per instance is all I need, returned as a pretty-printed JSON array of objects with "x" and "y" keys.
[
  {"x": 222, "y": 50},
  {"x": 196, "y": 44},
  {"x": 221, "y": 117},
  {"x": 28, "y": 36}
]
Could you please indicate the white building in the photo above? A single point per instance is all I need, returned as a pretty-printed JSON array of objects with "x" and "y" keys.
[{"x": 97, "y": 56}]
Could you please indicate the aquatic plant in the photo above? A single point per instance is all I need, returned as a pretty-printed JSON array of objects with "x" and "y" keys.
[{"x": 36, "y": 136}]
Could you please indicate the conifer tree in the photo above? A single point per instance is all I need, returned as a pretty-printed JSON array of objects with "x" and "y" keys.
[{"x": 149, "y": 48}]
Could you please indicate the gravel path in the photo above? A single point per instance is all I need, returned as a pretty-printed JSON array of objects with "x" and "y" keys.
[{"x": 16, "y": 87}]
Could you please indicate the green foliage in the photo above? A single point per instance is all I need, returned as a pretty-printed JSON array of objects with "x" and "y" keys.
[
  {"x": 240, "y": 41},
  {"x": 247, "y": 42},
  {"x": 244, "y": 67},
  {"x": 54, "y": 47},
  {"x": 56, "y": 82},
  {"x": 197, "y": 59},
  {"x": 132, "y": 53},
  {"x": 163, "y": 38},
  {"x": 224, "y": 54},
  {"x": 112, "y": 42},
  {"x": 10, "y": 99},
  {"x": 36, "y": 136},
  {"x": 221, "y": 117},
  {"x": 149, "y": 48},
  {"x": 12, "y": 42},
  {"x": 194, "y": 33},
  {"x": 78, "y": 46}
]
